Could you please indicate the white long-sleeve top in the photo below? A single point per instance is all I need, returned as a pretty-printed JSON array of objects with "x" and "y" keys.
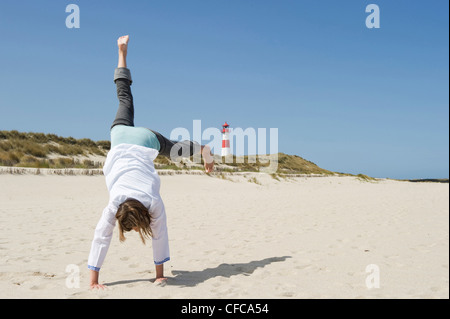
[{"x": 130, "y": 173}]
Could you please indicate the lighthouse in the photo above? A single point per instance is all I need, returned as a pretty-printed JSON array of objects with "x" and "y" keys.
[{"x": 226, "y": 140}]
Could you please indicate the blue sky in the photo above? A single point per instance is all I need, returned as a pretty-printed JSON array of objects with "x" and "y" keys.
[{"x": 349, "y": 98}]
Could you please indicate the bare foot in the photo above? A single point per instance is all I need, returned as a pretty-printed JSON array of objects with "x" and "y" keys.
[{"x": 122, "y": 43}]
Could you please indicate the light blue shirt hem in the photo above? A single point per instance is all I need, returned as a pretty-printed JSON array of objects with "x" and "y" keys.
[
  {"x": 162, "y": 262},
  {"x": 93, "y": 268}
]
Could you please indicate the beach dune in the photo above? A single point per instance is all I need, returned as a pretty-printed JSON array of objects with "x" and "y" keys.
[{"x": 232, "y": 236}]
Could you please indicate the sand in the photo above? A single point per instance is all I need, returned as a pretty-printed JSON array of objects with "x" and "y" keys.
[{"x": 315, "y": 237}]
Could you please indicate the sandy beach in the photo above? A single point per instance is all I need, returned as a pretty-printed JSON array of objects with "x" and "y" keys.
[{"x": 247, "y": 236}]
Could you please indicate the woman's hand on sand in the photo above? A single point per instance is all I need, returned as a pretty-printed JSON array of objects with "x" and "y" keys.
[
  {"x": 94, "y": 280},
  {"x": 97, "y": 286},
  {"x": 161, "y": 281}
]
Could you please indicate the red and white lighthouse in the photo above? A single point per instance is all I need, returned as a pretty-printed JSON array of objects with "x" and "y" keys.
[{"x": 226, "y": 140}]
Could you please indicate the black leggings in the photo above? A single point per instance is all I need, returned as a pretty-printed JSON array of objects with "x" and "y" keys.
[{"x": 125, "y": 116}]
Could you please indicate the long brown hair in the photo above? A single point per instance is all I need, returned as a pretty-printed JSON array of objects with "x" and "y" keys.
[{"x": 131, "y": 214}]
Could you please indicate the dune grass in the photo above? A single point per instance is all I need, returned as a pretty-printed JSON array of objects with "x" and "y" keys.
[
  {"x": 41, "y": 150},
  {"x": 286, "y": 164}
]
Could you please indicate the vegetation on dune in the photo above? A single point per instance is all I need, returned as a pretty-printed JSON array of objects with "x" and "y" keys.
[
  {"x": 41, "y": 150},
  {"x": 285, "y": 164},
  {"x": 297, "y": 164}
]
